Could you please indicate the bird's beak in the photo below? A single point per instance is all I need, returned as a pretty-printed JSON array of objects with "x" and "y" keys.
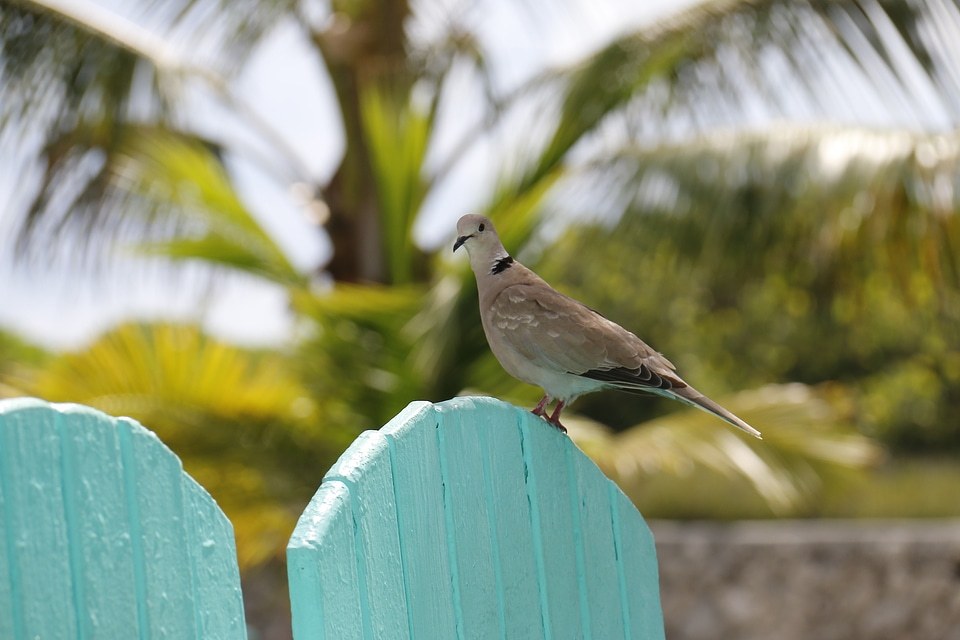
[{"x": 459, "y": 242}]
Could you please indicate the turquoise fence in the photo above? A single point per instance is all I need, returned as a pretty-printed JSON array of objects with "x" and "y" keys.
[{"x": 465, "y": 519}]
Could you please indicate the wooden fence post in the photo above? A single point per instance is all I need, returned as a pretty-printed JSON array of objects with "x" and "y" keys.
[
  {"x": 102, "y": 534},
  {"x": 471, "y": 519}
]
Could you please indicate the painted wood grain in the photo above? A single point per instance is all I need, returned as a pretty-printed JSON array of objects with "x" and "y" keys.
[
  {"x": 322, "y": 569},
  {"x": 415, "y": 458},
  {"x": 104, "y": 535},
  {"x": 472, "y": 519},
  {"x": 366, "y": 471}
]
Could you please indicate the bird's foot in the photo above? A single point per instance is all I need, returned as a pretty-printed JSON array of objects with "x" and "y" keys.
[
  {"x": 554, "y": 419},
  {"x": 538, "y": 410},
  {"x": 556, "y": 424}
]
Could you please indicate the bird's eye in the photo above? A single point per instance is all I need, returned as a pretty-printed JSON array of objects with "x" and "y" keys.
[{"x": 480, "y": 228}]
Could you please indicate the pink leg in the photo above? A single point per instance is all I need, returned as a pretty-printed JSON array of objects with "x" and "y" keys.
[
  {"x": 555, "y": 418},
  {"x": 538, "y": 411}
]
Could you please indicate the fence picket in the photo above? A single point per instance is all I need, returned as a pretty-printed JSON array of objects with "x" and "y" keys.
[
  {"x": 105, "y": 536},
  {"x": 493, "y": 524}
]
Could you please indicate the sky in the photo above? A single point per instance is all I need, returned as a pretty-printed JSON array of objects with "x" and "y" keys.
[{"x": 63, "y": 306}]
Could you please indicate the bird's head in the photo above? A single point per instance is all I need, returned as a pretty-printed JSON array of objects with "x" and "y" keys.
[{"x": 476, "y": 233}]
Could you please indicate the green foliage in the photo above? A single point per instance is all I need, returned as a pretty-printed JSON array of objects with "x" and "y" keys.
[
  {"x": 15, "y": 355},
  {"x": 804, "y": 440},
  {"x": 182, "y": 180},
  {"x": 837, "y": 204},
  {"x": 902, "y": 488},
  {"x": 355, "y": 354},
  {"x": 397, "y": 135}
]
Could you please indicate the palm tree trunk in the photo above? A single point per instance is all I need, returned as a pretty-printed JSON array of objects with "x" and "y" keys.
[{"x": 360, "y": 50}]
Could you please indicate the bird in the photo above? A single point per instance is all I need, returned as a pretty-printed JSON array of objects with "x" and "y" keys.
[{"x": 547, "y": 339}]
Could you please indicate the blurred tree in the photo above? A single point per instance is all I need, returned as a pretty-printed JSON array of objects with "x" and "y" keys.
[
  {"x": 809, "y": 443},
  {"x": 15, "y": 355}
]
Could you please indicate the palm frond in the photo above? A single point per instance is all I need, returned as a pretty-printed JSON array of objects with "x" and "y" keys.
[
  {"x": 139, "y": 370},
  {"x": 228, "y": 31},
  {"x": 397, "y": 135},
  {"x": 354, "y": 351},
  {"x": 165, "y": 194},
  {"x": 185, "y": 180},
  {"x": 71, "y": 91},
  {"x": 52, "y": 50},
  {"x": 80, "y": 199},
  {"x": 725, "y": 63},
  {"x": 77, "y": 80},
  {"x": 803, "y": 436},
  {"x": 843, "y": 201},
  {"x": 847, "y": 60}
]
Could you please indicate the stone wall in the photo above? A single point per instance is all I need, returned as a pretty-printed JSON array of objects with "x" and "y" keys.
[{"x": 810, "y": 580}]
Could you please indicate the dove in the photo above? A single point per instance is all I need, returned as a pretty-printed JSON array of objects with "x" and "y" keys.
[{"x": 549, "y": 340}]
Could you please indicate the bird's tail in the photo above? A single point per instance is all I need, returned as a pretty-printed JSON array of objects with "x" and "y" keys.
[{"x": 694, "y": 398}]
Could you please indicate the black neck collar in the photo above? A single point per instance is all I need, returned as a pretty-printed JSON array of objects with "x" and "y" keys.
[{"x": 501, "y": 265}]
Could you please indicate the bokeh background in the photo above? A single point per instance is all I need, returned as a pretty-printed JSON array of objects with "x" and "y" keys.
[{"x": 232, "y": 220}]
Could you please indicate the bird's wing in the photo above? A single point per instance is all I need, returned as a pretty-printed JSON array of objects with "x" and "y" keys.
[{"x": 558, "y": 333}]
